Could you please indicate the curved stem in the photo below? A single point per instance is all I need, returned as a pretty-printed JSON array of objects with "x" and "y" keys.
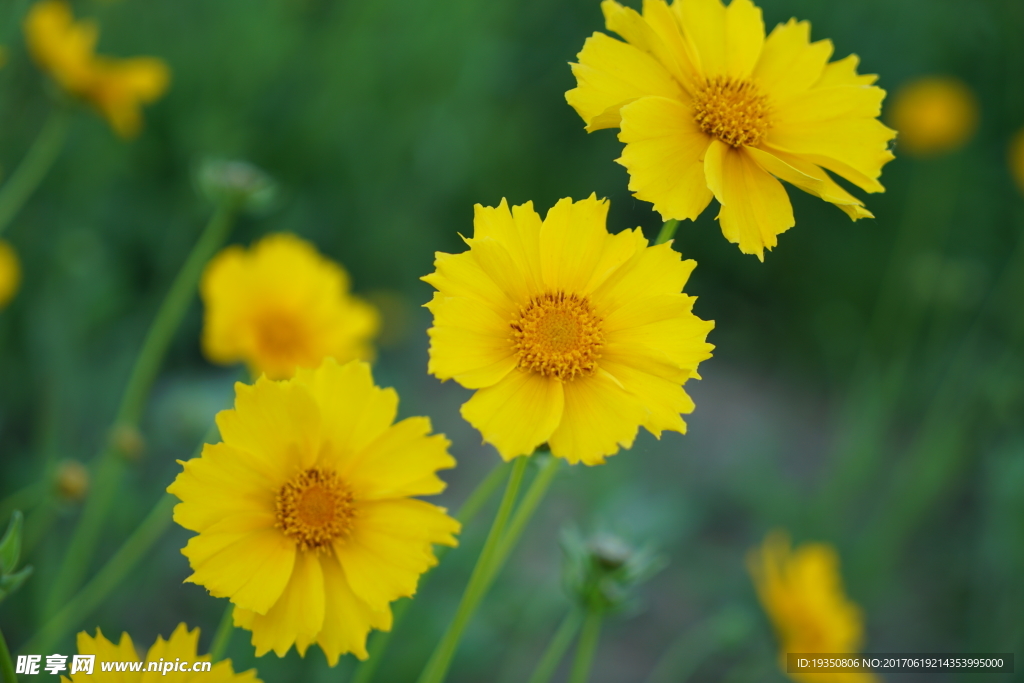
[
  {"x": 437, "y": 668},
  {"x": 6, "y": 665},
  {"x": 586, "y": 648},
  {"x": 106, "y": 580},
  {"x": 222, "y": 638},
  {"x": 111, "y": 466},
  {"x": 524, "y": 512},
  {"x": 379, "y": 642},
  {"x": 557, "y": 648},
  {"x": 33, "y": 168},
  {"x": 668, "y": 231}
]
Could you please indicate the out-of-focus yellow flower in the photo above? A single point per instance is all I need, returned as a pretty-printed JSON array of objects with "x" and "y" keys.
[
  {"x": 10, "y": 273},
  {"x": 709, "y": 107},
  {"x": 179, "y": 651},
  {"x": 117, "y": 88},
  {"x": 304, "y": 512},
  {"x": 569, "y": 334},
  {"x": 934, "y": 115},
  {"x": 1017, "y": 158},
  {"x": 282, "y": 306},
  {"x": 802, "y": 592}
]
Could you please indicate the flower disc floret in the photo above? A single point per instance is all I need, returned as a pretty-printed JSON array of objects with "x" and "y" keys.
[
  {"x": 315, "y": 507},
  {"x": 558, "y": 335},
  {"x": 734, "y": 111}
]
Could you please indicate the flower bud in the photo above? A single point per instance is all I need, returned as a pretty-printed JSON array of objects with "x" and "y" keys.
[{"x": 72, "y": 480}]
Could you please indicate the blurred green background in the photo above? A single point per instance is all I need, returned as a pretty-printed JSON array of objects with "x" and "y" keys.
[{"x": 866, "y": 384}]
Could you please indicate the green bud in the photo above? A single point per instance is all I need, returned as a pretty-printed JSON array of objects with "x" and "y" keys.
[
  {"x": 226, "y": 180},
  {"x": 601, "y": 572}
]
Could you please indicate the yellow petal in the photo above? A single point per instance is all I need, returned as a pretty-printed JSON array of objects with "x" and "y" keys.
[
  {"x": 664, "y": 398},
  {"x": 297, "y": 616},
  {"x": 10, "y": 273},
  {"x": 518, "y": 231},
  {"x": 663, "y": 154},
  {"x": 790, "y": 63},
  {"x": 599, "y": 417},
  {"x": 106, "y": 651},
  {"x": 728, "y": 40},
  {"x": 611, "y": 74},
  {"x": 495, "y": 260},
  {"x": 354, "y": 410},
  {"x": 518, "y": 413},
  {"x": 220, "y": 483},
  {"x": 836, "y": 128},
  {"x": 390, "y": 547},
  {"x": 844, "y": 72},
  {"x": 755, "y": 207},
  {"x": 460, "y": 275},
  {"x": 652, "y": 271},
  {"x": 809, "y": 178},
  {"x": 251, "y": 568},
  {"x": 469, "y": 342},
  {"x": 402, "y": 461},
  {"x": 276, "y": 423},
  {"x": 347, "y": 619},
  {"x": 572, "y": 241}
]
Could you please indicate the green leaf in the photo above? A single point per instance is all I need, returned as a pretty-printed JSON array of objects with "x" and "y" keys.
[
  {"x": 10, "y": 544},
  {"x": 12, "y": 582}
]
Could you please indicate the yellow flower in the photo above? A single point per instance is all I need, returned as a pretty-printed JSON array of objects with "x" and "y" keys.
[
  {"x": 180, "y": 648},
  {"x": 1017, "y": 158},
  {"x": 282, "y": 306},
  {"x": 802, "y": 592},
  {"x": 707, "y": 106},
  {"x": 934, "y": 115},
  {"x": 571, "y": 335},
  {"x": 117, "y": 88},
  {"x": 304, "y": 513},
  {"x": 10, "y": 273}
]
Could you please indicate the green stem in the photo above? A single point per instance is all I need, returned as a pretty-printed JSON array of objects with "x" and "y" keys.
[
  {"x": 6, "y": 665},
  {"x": 106, "y": 580},
  {"x": 33, "y": 168},
  {"x": 379, "y": 641},
  {"x": 24, "y": 499},
  {"x": 586, "y": 648},
  {"x": 557, "y": 648},
  {"x": 111, "y": 465},
  {"x": 667, "y": 232},
  {"x": 437, "y": 668},
  {"x": 222, "y": 638},
  {"x": 524, "y": 512}
]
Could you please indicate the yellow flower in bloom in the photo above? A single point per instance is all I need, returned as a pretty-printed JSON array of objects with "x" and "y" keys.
[
  {"x": 802, "y": 592},
  {"x": 10, "y": 273},
  {"x": 282, "y": 306},
  {"x": 304, "y": 512},
  {"x": 178, "y": 651},
  {"x": 1017, "y": 158},
  {"x": 117, "y": 88},
  {"x": 571, "y": 335},
  {"x": 934, "y": 115},
  {"x": 707, "y": 106}
]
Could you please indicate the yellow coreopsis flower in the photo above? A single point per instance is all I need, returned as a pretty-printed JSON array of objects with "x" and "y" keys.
[
  {"x": 802, "y": 592},
  {"x": 10, "y": 273},
  {"x": 304, "y": 512},
  {"x": 117, "y": 88},
  {"x": 934, "y": 115},
  {"x": 177, "y": 652},
  {"x": 282, "y": 306},
  {"x": 1017, "y": 158},
  {"x": 569, "y": 334},
  {"x": 709, "y": 107}
]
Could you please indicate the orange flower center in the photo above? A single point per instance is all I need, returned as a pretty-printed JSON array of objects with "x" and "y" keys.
[
  {"x": 734, "y": 111},
  {"x": 558, "y": 335},
  {"x": 279, "y": 335},
  {"x": 314, "y": 508}
]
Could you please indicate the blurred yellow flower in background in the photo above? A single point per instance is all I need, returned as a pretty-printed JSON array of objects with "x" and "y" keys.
[
  {"x": 934, "y": 115},
  {"x": 183, "y": 645},
  {"x": 708, "y": 107},
  {"x": 281, "y": 306},
  {"x": 801, "y": 590},
  {"x": 569, "y": 334},
  {"x": 10, "y": 273},
  {"x": 1017, "y": 158},
  {"x": 304, "y": 512},
  {"x": 117, "y": 88}
]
